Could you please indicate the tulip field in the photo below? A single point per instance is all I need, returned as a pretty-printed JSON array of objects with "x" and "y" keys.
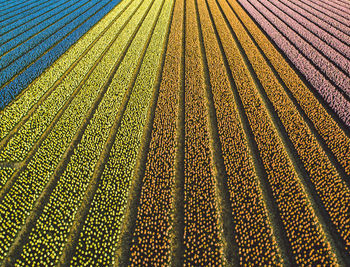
[{"x": 175, "y": 133}]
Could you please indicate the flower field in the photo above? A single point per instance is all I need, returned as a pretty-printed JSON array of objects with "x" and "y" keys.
[{"x": 175, "y": 133}]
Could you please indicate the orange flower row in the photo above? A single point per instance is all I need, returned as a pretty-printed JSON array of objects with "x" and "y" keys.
[
  {"x": 306, "y": 239},
  {"x": 151, "y": 238},
  {"x": 202, "y": 233},
  {"x": 253, "y": 233},
  {"x": 333, "y": 136},
  {"x": 332, "y": 190}
]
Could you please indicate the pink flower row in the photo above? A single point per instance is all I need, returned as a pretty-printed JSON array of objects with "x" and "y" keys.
[{"x": 329, "y": 93}]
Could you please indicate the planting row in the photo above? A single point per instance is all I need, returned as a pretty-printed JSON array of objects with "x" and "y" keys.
[
  {"x": 304, "y": 20},
  {"x": 327, "y": 9},
  {"x": 151, "y": 243},
  {"x": 337, "y": 55},
  {"x": 101, "y": 230},
  {"x": 331, "y": 95},
  {"x": 202, "y": 234},
  {"x": 339, "y": 78},
  {"x": 331, "y": 133},
  {"x": 18, "y": 37},
  {"x": 27, "y": 135},
  {"x": 305, "y": 237},
  {"x": 319, "y": 21},
  {"x": 15, "y": 60},
  {"x": 17, "y": 20},
  {"x": 11, "y": 11},
  {"x": 333, "y": 192},
  {"x": 340, "y": 27},
  {"x": 65, "y": 200},
  {"x": 5, "y": 173},
  {"x": 253, "y": 233},
  {"x": 22, "y": 79},
  {"x": 35, "y": 176},
  {"x": 36, "y": 91}
]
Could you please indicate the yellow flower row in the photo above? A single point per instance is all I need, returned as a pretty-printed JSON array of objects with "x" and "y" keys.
[
  {"x": 101, "y": 231},
  {"x": 5, "y": 173},
  {"x": 31, "y": 182},
  {"x": 18, "y": 108},
  {"x": 66, "y": 198},
  {"x": 28, "y": 134}
]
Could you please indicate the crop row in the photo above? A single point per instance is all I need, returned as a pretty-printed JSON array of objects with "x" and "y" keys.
[
  {"x": 329, "y": 39},
  {"x": 338, "y": 5},
  {"x": 330, "y": 8},
  {"x": 202, "y": 233},
  {"x": 58, "y": 215},
  {"x": 306, "y": 238},
  {"x": 9, "y": 5},
  {"x": 330, "y": 22},
  {"x": 295, "y": 23},
  {"x": 342, "y": 5},
  {"x": 101, "y": 230},
  {"x": 333, "y": 97},
  {"x": 14, "y": 112},
  {"x": 151, "y": 243},
  {"x": 334, "y": 193},
  {"x": 253, "y": 233},
  {"x": 32, "y": 180},
  {"x": 35, "y": 23},
  {"x": 24, "y": 54},
  {"x": 5, "y": 173},
  {"x": 17, "y": 21},
  {"x": 332, "y": 30},
  {"x": 25, "y": 9},
  {"x": 16, "y": 47},
  {"x": 325, "y": 11},
  {"x": 25, "y": 138},
  {"x": 340, "y": 79},
  {"x": 22, "y": 80},
  {"x": 331, "y": 133}
]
